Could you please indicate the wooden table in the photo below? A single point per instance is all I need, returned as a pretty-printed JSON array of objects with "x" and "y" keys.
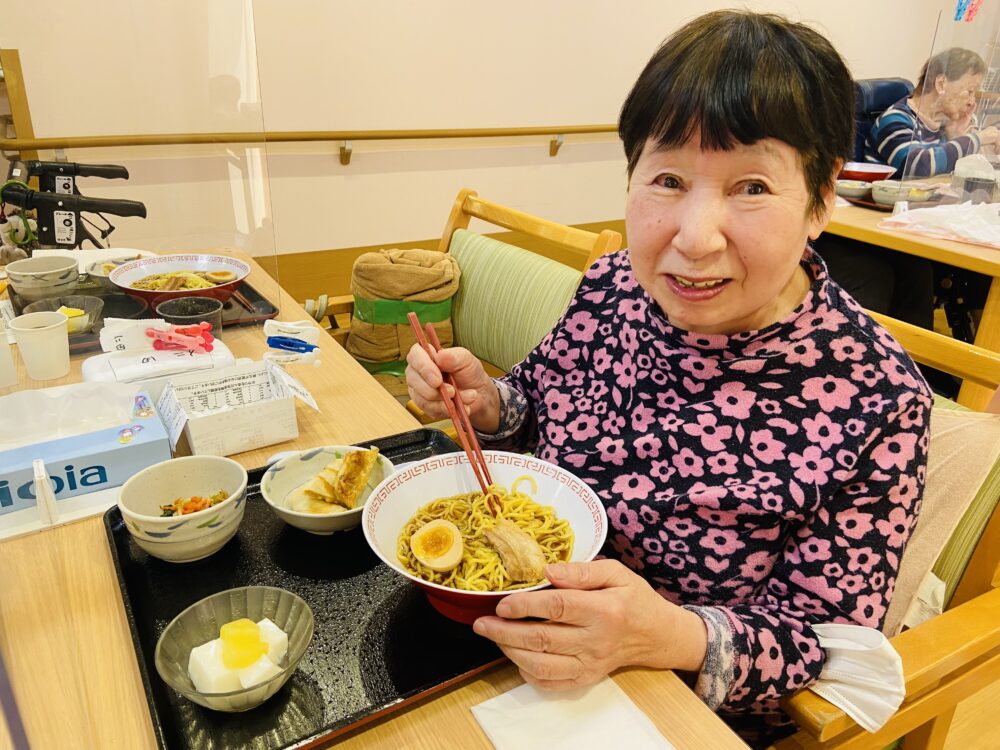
[
  {"x": 861, "y": 224},
  {"x": 67, "y": 646}
]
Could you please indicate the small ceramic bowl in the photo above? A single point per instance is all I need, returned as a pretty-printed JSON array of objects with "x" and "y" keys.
[
  {"x": 296, "y": 469},
  {"x": 200, "y": 623},
  {"x": 101, "y": 270},
  {"x": 195, "y": 535},
  {"x": 889, "y": 192},
  {"x": 857, "y": 189},
  {"x": 43, "y": 276},
  {"x": 92, "y": 307}
]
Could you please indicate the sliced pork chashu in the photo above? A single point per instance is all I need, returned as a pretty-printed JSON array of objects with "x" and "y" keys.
[{"x": 521, "y": 555}]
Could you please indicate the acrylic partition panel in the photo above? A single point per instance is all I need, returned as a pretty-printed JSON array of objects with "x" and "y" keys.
[
  {"x": 165, "y": 168},
  {"x": 152, "y": 80},
  {"x": 956, "y": 103}
]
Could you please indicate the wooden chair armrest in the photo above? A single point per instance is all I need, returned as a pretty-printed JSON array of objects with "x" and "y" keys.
[
  {"x": 342, "y": 304},
  {"x": 930, "y": 652}
]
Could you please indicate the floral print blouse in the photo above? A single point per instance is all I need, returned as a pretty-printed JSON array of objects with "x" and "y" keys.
[{"x": 767, "y": 480}]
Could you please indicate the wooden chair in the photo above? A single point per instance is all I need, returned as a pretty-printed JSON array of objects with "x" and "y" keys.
[
  {"x": 951, "y": 656},
  {"x": 509, "y": 297}
]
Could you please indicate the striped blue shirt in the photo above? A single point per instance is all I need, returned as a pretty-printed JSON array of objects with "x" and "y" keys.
[{"x": 901, "y": 139}]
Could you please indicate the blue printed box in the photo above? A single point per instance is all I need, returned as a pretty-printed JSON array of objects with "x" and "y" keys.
[{"x": 85, "y": 463}]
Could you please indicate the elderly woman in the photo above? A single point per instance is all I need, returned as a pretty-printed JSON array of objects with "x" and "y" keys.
[
  {"x": 758, "y": 441},
  {"x": 927, "y": 133}
]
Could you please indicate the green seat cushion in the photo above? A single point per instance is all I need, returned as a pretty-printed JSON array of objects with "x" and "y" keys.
[
  {"x": 508, "y": 298},
  {"x": 956, "y": 554}
]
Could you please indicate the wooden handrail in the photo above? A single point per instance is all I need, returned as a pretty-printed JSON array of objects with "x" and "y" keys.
[{"x": 173, "y": 139}]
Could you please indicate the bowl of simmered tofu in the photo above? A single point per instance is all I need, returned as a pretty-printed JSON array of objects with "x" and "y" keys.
[
  {"x": 323, "y": 490},
  {"x": 235, "y": 649}
]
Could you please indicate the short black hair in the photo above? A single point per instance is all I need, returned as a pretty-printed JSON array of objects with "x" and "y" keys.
[
  {"x": 952, "y": 63},
  {"x": 740, "y": 77}
]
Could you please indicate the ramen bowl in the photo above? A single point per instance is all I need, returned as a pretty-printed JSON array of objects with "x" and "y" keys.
[
  {"x": 394, "y": 502},
  {"x": 298, "y": 468},
  {"x": 128, "y": 274},
  {"x": 200, "y": 623}
]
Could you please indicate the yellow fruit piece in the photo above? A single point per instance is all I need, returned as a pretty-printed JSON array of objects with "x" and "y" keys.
[
  {"x": 70, "y": 312},
  {"x": 241, "y": 643}
]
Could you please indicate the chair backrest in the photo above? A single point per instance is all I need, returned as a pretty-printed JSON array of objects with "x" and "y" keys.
[
  {"x": 872, "y": 97},
  {"x": 510, "y": 297},
  {"x": 969, "y": 559}
]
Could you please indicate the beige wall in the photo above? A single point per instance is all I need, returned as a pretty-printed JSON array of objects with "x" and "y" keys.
[{"x": 119, "y": 66}]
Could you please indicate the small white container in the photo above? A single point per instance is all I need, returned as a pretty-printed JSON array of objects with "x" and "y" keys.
[
  {"x": 43, "y": 341},
  {"x": 8, "y": 373}
]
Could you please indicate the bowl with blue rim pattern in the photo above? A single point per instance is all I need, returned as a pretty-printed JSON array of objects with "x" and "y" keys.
[
  {"x": 189, "y": 536},
  {"x": 295, "y": 469}
]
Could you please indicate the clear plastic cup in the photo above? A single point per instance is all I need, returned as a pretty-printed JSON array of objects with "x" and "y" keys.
[{"x": 43, "y": 341}]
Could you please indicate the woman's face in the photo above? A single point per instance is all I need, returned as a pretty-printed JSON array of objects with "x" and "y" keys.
[
  {"x": 715, "y": 237},
  {"x": 957, "y": 99}
]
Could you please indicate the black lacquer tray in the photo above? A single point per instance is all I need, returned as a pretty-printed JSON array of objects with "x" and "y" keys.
[
  {"x": 378, "y": 644},
  {"x": 254, "y": 309}
]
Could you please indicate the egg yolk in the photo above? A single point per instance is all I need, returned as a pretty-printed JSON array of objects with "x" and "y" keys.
[
  {"x": 241, "y": 643},
  {"x": 434, "y": 543}
]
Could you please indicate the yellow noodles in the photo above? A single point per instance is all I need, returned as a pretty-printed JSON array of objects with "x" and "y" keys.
[{"x": 481, "y": 569}]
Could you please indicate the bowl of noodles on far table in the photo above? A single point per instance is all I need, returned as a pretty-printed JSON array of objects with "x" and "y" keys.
[
  {"x": 165, "y": 277},
  {"x": 431, "y": 523}
]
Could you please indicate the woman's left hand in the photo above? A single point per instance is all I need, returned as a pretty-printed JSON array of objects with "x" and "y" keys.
[{"x": 599, "y": 616}]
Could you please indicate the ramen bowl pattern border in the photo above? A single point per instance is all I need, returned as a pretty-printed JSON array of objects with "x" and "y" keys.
[{"x": 572, "y": 483}]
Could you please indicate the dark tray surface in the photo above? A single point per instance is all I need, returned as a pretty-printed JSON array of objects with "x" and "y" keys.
[
  {"x": 120, "y": 305},
  {"x": 377, "y": 642}
]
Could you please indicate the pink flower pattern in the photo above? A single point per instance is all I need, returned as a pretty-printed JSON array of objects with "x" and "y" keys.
[{"x": 768, "y": 480}]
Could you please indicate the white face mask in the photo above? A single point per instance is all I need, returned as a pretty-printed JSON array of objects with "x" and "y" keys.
[{"x": 863, "y": 674}]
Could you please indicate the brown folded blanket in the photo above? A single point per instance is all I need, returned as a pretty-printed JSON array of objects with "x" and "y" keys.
[{"x": 388, "y": 284}]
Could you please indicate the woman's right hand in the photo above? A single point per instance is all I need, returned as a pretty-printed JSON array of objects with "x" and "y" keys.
[{"x": 477, "y": 389}]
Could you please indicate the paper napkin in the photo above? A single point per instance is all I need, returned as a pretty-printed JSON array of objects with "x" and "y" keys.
[{"x": 598, "y": 717}]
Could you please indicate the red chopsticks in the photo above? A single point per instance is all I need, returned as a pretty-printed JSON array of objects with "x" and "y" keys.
[{"x": 456, "y": 410}]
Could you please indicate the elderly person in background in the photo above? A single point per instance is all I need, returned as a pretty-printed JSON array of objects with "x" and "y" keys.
[
  {"x": 925, "y": 134},
  {"x": 758, "y": 441}
]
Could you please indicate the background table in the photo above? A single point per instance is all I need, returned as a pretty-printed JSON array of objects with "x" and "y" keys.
[
  {"x": 67, "y": 646},
  {"x": 861, "y": 224}
]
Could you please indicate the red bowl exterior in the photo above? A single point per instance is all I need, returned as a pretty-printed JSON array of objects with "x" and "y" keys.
[
  {"x": 153, "y": 297},
  {"x": 222, "y": 292},
  {"x": 873, "y": 173},
  {"x": 462, "y": 606}
]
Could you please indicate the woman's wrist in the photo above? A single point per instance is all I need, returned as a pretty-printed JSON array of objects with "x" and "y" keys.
[
  {"x": 674, "y": 638},
  {"x": 485, "y": 412}
]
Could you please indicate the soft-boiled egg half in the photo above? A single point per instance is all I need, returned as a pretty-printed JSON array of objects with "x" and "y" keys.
[
  {"x": 438, "y": 545},
  {"x": 245, "y": 654}
]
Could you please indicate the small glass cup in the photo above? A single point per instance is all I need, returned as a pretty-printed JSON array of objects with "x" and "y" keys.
[{"x": 188, "y": 311}]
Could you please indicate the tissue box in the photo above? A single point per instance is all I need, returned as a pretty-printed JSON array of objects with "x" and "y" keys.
[
  {"x": 234, "y": 409},
  {"x": 87, "y": 462}
]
